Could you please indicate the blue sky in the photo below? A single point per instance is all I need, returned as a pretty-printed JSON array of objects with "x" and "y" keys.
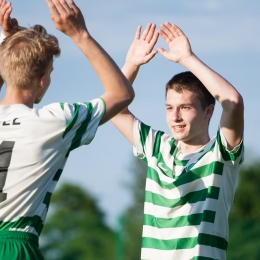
[{"x": 224, "y": 34}]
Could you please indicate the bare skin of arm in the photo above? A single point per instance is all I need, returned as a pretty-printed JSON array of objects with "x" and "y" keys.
[
  {"x": 232, "y": 119},
  {"x": 119, "y": 93},
  {"x": 6, "y": 22},
  {"x": 140, "y": 52}
]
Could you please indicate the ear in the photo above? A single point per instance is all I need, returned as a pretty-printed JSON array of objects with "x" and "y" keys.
[
  {"x": 210, "y": 110},
  {"x": 41, "y": 80}
]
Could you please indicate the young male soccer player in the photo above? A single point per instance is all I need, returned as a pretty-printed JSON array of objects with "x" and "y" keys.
[
  {"x": 191, "y": 178},
  {"x": 35, "y": 143}
]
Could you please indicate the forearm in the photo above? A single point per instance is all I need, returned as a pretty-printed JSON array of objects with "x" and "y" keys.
[
  {"x": 110, "y": 75},
  {"x": 130, "y": 71},
  {"x": 124, "y": 122},
  {"x": 219, "y": 87}
]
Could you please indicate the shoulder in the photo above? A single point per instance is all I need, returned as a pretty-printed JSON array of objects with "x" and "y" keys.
[
  {"x": 67, "y": 111},
  {"x": 220, "y": 148}
]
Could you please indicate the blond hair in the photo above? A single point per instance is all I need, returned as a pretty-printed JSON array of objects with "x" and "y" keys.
[{"x": 26, "y": 54}]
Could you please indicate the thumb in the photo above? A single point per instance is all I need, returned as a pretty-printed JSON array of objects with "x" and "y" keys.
[
  {"x": 163, "y": 52},
  {"x": 150, "y": 56}
]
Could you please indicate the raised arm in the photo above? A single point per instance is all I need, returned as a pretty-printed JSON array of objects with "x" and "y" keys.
[
  {"x": 140, "y": 52},
  {"x": 232, "y": 119},
  {"x": 68, "y": 18},
  {"x": 6, "y": 23}
]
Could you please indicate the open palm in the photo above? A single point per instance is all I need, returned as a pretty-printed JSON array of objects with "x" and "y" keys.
[
  {"x": 179, "y": 46},
  {"x": 141, "y": 50}
]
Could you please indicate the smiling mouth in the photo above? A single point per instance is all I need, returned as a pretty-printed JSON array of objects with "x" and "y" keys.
[{"x": 178, "y": 127}]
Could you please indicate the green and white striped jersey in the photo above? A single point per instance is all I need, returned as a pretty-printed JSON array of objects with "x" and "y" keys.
[
  {"x": 187, "y": 197},
  {"x": 34, "y": 147}
]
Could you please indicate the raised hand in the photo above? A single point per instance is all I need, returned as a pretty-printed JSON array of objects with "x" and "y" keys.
[
  {"x": 141, "y": 50},
  {"x": 67, "y": 17},
  {"x": 177, "y": 41},
  {"x": 5, "y": 20}
]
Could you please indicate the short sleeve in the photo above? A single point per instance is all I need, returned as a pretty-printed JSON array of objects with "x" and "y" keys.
[
  {"x": 147, "y": 140},
  {"x": 235, "y": 156},
  {"x": 80, "y": 120}
]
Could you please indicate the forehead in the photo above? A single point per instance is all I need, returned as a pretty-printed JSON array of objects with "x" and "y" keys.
[{"x": 185, "y": 97}]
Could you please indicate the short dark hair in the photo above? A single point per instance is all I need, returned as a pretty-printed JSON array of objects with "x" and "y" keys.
[{"x": 188, "y": 81}]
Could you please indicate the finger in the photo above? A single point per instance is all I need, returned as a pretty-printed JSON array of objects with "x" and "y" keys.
[
  {"x": 146, "y": 31},
  {"x": 179, "y": 31},
  {"x": 163, "y": 52},
  {"x": 73, "y": 6},
  {"x": 174, "y": 29},
  {"x": 66, "y": 7},
  {"x": 165, "y": 36},
  {"x": 170, "y": 30},
  {"x": 151, "y": 33},
  {"x": 6, "y": 18},
  {"x": 138, "y": 32},
  {"x": 57, "y": 7},
  {"x": 53, "y": 10},
  {"x": 4, "y": 7},
  {"x": 155, "y": 38},
  {"x": 2, "y": 2},
  {"x": 149, "y": 56}
]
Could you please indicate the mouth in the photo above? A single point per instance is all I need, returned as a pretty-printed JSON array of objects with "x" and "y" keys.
[{"x": 178, "y": 127}]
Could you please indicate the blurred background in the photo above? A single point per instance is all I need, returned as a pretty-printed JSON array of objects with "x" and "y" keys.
[{"x": 103, "y": 181}]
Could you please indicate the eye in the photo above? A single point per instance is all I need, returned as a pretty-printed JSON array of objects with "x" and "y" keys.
[
  {"x": 185, "y": 107},
  {"x": 168, "y": 108}
]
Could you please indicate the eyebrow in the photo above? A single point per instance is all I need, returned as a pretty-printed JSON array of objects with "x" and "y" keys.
[{"x": 183, "y": 104}]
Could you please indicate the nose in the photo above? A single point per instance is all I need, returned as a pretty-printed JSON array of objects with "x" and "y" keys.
[{"x": 176, "y": 115}]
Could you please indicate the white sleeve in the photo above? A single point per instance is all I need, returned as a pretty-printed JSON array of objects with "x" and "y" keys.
[{"x": 2, "y": 37}]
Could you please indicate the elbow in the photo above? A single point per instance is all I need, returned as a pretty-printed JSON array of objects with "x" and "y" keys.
[
  {"x": 235, "y": 103},
  {"x": 238, "y": 102},
  {"x": 129, "y": 96}
]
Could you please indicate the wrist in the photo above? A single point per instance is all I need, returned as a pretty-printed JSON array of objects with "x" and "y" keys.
[
  {"x": 131, "y": 66},
  {"x": 185, "y": 60},
  {"x": 82, "y": 36}
]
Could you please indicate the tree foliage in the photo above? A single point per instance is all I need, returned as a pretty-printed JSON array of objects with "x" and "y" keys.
[
  {"x": 75, "y": 228},
  {"x": 133, "y": 217},
  {"x": 244, "y": 219}
]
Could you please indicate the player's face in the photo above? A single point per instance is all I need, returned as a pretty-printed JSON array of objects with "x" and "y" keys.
[
  {"x": 45, "y": 83},
  {"x": 186, "y": 118}
]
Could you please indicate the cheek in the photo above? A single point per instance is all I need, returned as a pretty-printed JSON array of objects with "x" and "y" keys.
[{"x": 168, "y": 117}]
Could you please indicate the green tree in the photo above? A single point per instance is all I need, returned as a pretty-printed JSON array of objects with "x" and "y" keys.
[
  {"x": 133, "y": 216},
  {"x": 75, "y": 228},
  {"x": 244, "y": 219}
]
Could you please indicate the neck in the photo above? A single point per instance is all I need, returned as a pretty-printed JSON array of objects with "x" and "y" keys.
[
  {"x": 15, "y": 95},
  {"x": 187, "y": 148}
]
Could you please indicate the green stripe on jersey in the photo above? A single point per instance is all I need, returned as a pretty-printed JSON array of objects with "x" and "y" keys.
[
  {"x": 57, "y": 175},
  {"x": 178, "y": 162},
  {"x": 187, "y": 177},
  {"x": 192, "y": 197},
  {"x": 228, "y": 156},
  {"x": 62, "y": 106},
  {"x": 73, "y": 120},
  {"x": 82, "y": 129},
  {"x": 157, "y": 143},
  {"x": 185, "y": 243},
  {"x": 190, "y": 220},
  {"x": 47, "y": 199},
  {"x": 23, "y": 222},
  {"x": 144, "y": 132}
]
